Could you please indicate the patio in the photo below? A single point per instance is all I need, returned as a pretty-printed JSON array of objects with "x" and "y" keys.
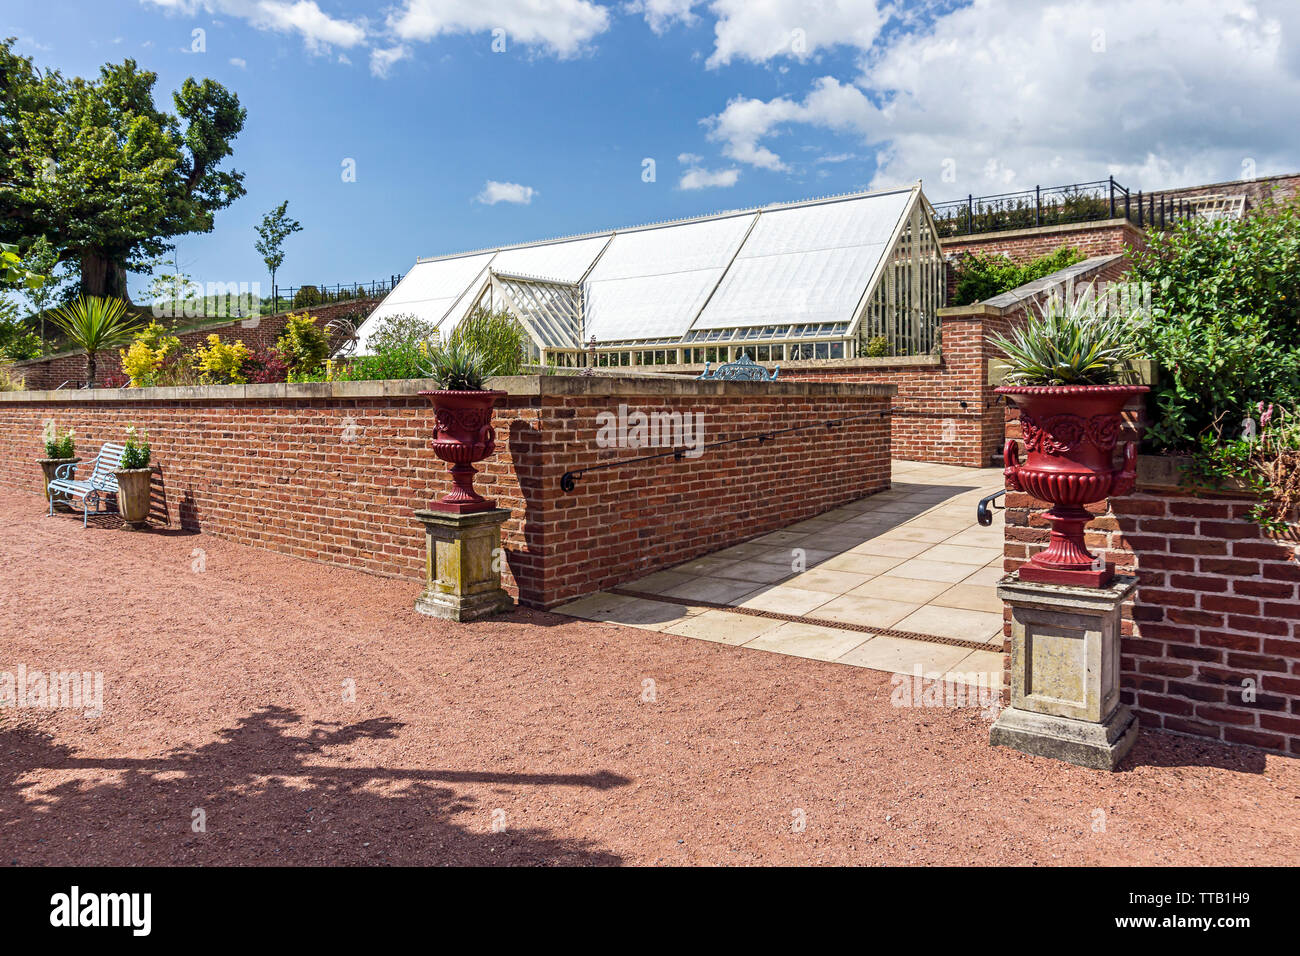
[{"x": 889, "y": 582}]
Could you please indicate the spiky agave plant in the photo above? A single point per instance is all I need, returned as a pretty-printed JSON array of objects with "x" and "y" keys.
[
  {"x": 460, "y": 367},
  {"x": 93, "y": 324},
  {"x": 1069, "y": 342}
]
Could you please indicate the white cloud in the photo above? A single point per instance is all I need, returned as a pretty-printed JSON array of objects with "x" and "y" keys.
[
  {"x": 698, "y": 178},
  {"x": 305, "y": 17},
  {"x": 495, "y": 192},
  {"x": 560, "y": 27},
  {"x": 760, "y": 30},
  {"x": 382, "y": 59},
  {"x": 662, "y": 14},
  {"x": 1010, "y": 93},
  {"x": 318, "y": 29},
  {"x": 745, "y": 122},
  {"x": 690, "y": 159},
  {"x": 239, "y": 62}
]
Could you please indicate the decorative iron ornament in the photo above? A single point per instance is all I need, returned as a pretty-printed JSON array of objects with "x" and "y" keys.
[{"x": 743, "y": 369}]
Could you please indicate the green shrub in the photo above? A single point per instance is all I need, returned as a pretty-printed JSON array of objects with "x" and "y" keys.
[
  {"x": 303, "y": 345},
  {"x": 402, "y": 330},
  {"x": 497, "y": 337},
  {"x": 1224, "y": 324},
  {"x": 306, "y": 297},
  {"x": 877, "y": 347},
  {"x": 985, "y": 275}
]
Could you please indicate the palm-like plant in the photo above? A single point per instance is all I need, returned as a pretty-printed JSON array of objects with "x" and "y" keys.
[
  {"x": 93, "y": 324},
  {"x": 1078, "y": 342}
]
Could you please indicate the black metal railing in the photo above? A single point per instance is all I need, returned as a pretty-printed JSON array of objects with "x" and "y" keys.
[
  {"x": 305, "y": 296},
  {"x": 1056, "y": 205},
  {"x": 231, "y": 304}
]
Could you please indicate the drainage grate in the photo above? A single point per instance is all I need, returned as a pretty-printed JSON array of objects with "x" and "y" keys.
[{"x": 804, "y": 619}]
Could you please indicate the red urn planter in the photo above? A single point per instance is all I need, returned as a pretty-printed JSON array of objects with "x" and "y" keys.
[
  {"x": 463, "y": 434},
  {"x": 1070, "y": 433}
]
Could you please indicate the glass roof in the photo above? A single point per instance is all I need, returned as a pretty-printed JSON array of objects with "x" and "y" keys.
[{"x": 803, "y": 263}]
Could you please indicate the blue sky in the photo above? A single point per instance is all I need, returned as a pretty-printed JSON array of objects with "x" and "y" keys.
[{"x": 738, "y": 102}]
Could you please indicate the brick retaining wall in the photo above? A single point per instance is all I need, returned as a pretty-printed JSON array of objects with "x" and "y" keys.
[
  {"x": 333, "y": 471},
  {"x": 1216, "y": 613}
]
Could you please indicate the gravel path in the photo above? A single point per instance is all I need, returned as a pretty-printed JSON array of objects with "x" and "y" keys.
[{"x": 521, "y": 740}]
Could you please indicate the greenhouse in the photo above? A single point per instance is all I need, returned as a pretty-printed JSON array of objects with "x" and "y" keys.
[{"x": 839, "y": 277}]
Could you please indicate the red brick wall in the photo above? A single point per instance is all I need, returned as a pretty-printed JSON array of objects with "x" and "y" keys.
[
  {"x": 283, "y": 473},
  {"x": 257, "y": 333},
  {"x": 1217, "y": 605},
  {"x": 940, "y": 410},
  {"x": 621, "y": 523}
]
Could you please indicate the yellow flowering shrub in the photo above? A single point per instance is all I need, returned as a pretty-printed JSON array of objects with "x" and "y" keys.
[
  {"x": 146, "y": 355},
  {"x": 221, "y": 363}
]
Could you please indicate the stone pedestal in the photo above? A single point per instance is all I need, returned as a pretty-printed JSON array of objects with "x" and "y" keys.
[
  {"x": 1065, "y": 673},
  {"x": 462, "y": 569}
]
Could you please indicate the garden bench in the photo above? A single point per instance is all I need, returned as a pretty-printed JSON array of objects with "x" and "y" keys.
[
  {"x": 102, "y": 481},
  {"x": 744, "y": 369}
]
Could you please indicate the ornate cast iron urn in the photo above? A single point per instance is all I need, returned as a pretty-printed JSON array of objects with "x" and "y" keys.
[
  {"x": 1070, "y": 433},
  {"x": 463, "y": 434}
]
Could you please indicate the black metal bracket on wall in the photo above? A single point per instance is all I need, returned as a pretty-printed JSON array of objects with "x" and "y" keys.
[{"x": 569, "y": 479}]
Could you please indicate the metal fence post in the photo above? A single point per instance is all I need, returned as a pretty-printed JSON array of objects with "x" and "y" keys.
[
  {"x": 1112, "y": 197},
  {"x": 1038, "y": 205}
]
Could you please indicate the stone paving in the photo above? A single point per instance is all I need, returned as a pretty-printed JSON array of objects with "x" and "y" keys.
[{"x": 912, "y": 560}]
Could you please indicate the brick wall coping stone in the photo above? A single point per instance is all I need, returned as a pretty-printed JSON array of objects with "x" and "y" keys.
[
  {"x": 874, "y": 362},
  {"x": 514, "y": 385},
  {"x": 1010, "y": 301},
  {"x": 1165, "y": 473},
  {"x": 1034, "y": 231}
]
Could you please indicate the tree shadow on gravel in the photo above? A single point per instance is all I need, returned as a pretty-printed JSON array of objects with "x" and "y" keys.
[{"x": 265, "y": 803}]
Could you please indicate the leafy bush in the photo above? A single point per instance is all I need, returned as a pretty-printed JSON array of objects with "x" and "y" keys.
[
  {"x": 145, "y": 358},
  {"x": 306, "y": 297},
  {"x": 221, "y": 363},
  {"x": 1224, "y": 324},
  {"x": 267, "y": 367},
  {"x": 497, "y": 337},
  {"x": 59, "y": 445},
  {"x": 303, "y": 346},
  {"x": 983, "y": 275},
  {"x": 1264, "y": 459},
  {"x": 402, "y": 330},
  {"x": 1076, "y": 342},
  {"x": 135, "y": 450},
  {"x": 397, "y": 361},
  {"x": 877, "y": 347}
]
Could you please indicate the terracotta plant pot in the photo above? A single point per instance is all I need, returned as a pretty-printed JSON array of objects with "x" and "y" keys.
[
  {"x": 134, "y": 496},
  {"x": 1070, "y": 433},
  {"x": 50, "y": 467},
  {"x": 463, "y": 434}
]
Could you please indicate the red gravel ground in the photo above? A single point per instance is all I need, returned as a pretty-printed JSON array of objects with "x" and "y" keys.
[{"x": 224, "y": 691}]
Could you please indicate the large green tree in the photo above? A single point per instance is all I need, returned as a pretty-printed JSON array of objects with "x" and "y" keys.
[{"x": 102, "y": 173}]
